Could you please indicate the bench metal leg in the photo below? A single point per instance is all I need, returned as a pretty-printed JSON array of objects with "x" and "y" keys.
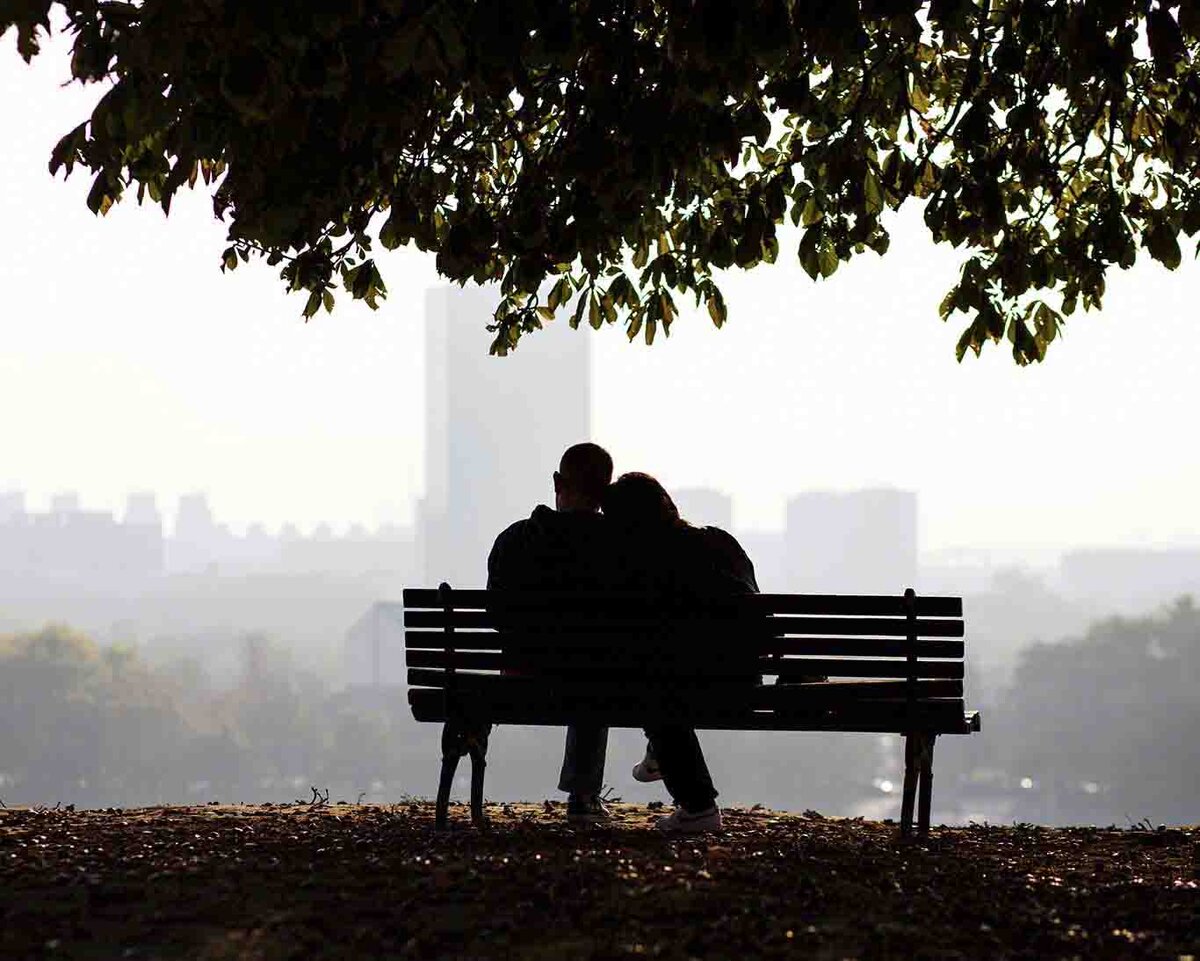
[
  {"x": 926, "y": 792},
  {"x": 918, "y": 782},
  {"x": 911, "y": 771}
]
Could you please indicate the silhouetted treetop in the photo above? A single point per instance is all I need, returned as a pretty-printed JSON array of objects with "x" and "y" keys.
[{"x": 602, "y": 158}]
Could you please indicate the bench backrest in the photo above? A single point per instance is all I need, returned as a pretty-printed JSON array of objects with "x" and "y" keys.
[{"x": 610, "y": 646}]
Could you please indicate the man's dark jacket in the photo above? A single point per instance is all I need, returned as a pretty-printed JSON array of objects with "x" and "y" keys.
[{"x": 554, "y": 550}]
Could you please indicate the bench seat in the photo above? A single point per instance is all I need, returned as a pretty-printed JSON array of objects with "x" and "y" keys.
[{"x": 759, "y": 709}]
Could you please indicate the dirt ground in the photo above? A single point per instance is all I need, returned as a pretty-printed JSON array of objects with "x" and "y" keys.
[{"x": 315, "y": 881}]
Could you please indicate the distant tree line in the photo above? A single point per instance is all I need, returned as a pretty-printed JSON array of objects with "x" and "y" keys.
[
  {"x": 86, "y": 724},
  {"x": 1108, "y": 721},
  {"x": 1099, "y": 728},
  {"x": 100, "y": 726}
]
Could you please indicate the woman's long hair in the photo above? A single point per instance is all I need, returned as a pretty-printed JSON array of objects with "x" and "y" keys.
[{"x": 637, "y": 500}]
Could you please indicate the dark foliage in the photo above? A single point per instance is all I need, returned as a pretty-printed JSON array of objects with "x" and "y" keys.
[{"x": 601, "y": 158}]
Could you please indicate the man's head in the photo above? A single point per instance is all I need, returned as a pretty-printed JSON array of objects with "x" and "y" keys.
[{"x": 583, "y": 474}]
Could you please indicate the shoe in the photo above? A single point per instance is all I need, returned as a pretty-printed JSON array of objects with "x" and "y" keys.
[
  {"x": 586, "y": 809},
  {"x": 687, "y": 822},
  {"x": 647, "y": 769}
]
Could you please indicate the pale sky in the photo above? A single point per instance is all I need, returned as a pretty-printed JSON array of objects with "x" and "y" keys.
[{"x": 129, "y": 362}]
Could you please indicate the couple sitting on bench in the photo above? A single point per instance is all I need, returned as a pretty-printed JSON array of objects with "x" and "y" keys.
[{"x": 623, "y": 535}]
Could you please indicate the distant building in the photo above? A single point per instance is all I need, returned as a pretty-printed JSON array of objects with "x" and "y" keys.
[
  {"x": 495, "y": 428},
  {"x": 141, "y": 509},
  {"x": 73, "y": 548},
  {"x": 142, "y": 535},
  {"x": 65, "y": 504},
  {"x": 855, "y": 542},
  {"x": 12, "y": 507},
  {"x": 193, "y": 518},
  {"x": 196, "y": 541},
  {"x": 704, "y": 507},
  {"x": 373, "y": 647}
]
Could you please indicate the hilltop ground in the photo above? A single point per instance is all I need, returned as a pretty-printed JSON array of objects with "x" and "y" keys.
[{"x": 346, "y": 881}]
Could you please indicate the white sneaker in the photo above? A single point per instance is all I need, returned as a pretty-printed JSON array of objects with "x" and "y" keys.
[
  {"x": 647, "y": 769},
  {"x": 684, "y": 822}
]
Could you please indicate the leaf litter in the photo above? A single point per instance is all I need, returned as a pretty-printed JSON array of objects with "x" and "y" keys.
[{"x": 313, "y": 881}]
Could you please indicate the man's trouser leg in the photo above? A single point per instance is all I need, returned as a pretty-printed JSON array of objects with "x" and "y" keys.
[
  {"x": 583, "y": 760},
  {"x": 681, "y": 760}
]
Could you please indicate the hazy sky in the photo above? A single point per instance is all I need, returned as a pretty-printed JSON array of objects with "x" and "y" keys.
[{"x": 128, "y": 361}]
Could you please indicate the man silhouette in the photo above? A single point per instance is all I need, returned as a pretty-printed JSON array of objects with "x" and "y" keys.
[{"x": 567, "y": 548}]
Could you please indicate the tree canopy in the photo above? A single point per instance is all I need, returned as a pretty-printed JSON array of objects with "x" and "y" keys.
[{"x": 603, "y": 158}]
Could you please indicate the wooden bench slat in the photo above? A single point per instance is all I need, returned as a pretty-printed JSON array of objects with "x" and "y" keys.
[
  {"x": 836, "y": 691},
  {"x": 659, "y": 663},
  {"x": 826, "y": 604},
  {"x": 762, "y": 694},
  {"x": 857, "y": 646},
  {"x": 551, "y": 661},
  {"x": 687, "y": 699},
  {"x": 434, "y": 677},
  {"x": 871, "y": 626},
  {"x": 953, "y": 670},
  {"x": 784, "y": 624},
  {"x": 864, "y": 605},
  {"x": 433, "y": 639}
]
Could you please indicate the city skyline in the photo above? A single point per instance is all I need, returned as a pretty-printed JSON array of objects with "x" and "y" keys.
[{"x": 204, "y": 382}]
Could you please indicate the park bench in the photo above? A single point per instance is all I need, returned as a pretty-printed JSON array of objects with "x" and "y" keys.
[{"x": 888, "y": 664}]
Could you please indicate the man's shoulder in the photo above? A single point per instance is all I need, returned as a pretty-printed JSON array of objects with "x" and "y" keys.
[
  {"x": 538, "y": 516},
  {"x": 551, "y": 549},
  {"x": 513, "y": 530}
]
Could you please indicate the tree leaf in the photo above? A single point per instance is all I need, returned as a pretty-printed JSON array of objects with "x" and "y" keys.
[
  {"x": 1163, "y": 245},
  {"x": 577, "y": 317},
  {"x": 872, "y": 195},
  {"x": 827, "y": 259},
  {"x": 716, "y": 307}
]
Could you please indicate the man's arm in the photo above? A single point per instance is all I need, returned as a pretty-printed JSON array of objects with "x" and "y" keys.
[
  {"x": 502, "y": 560},
  {"x": 495, "y": 566}
]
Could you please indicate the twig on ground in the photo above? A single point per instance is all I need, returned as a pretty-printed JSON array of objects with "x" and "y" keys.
[{"x": 317, "y": 800}]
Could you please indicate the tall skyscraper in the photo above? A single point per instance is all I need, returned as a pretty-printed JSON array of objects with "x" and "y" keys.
[
  {"x": 858, "y": 542},
  {"x": 495, "y": 428}
]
